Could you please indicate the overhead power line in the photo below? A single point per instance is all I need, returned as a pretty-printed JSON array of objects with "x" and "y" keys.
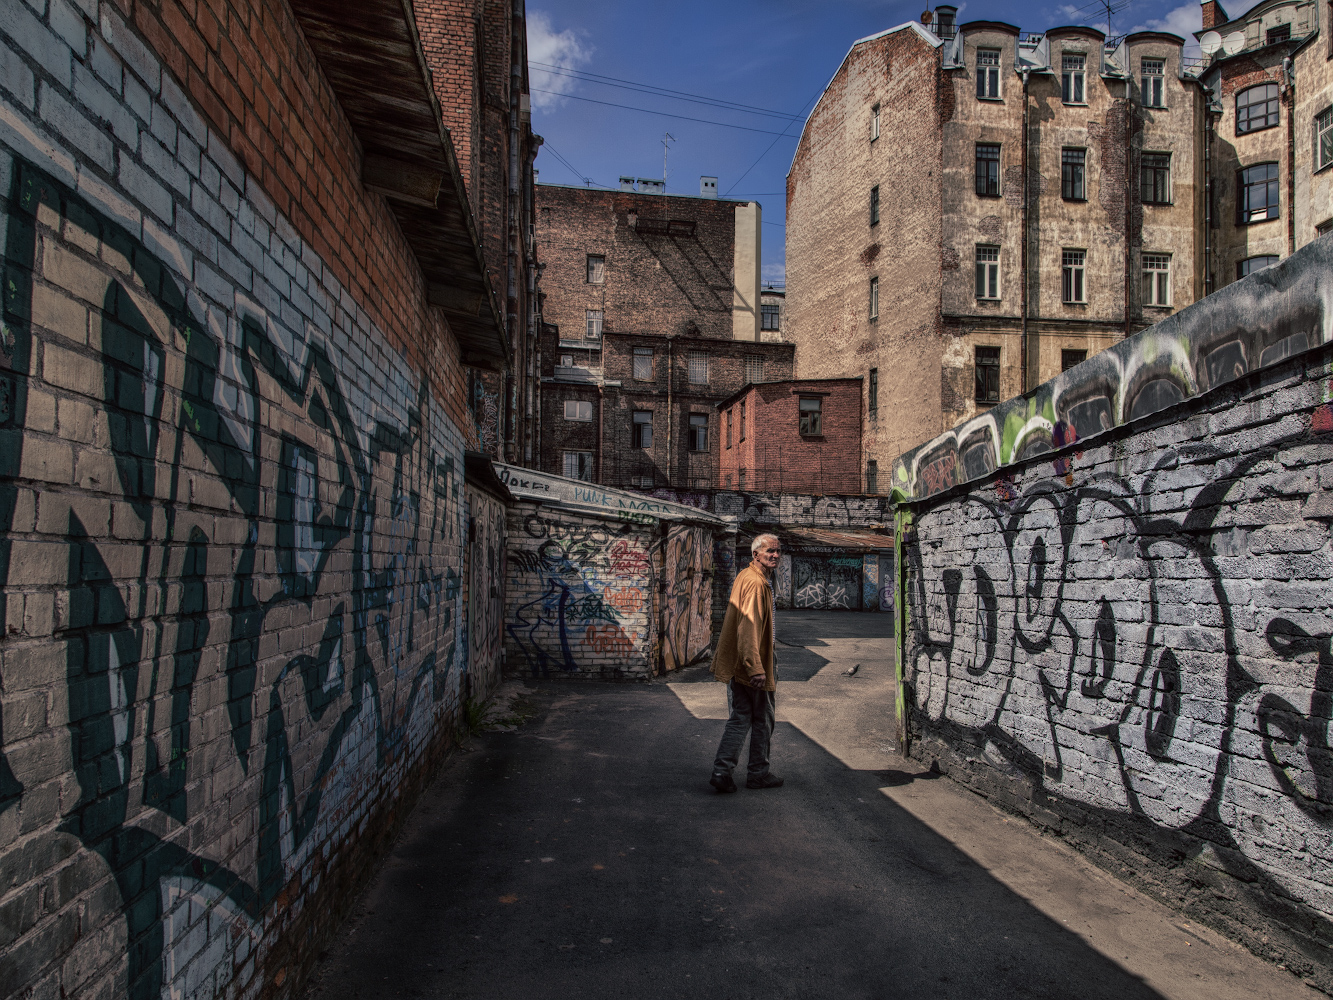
[
  {"x": 664, "y": 114},
  {"x": 569, "y": 166},
  {"x": 796, "y": 118},
  {"x": 648, "y": 88}
]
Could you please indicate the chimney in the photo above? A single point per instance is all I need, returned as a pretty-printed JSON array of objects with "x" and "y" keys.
[
  {"x": 746, "y": 265},
  {"x": 707, "y": 187},
  {"x": 1214, "y": 14}
]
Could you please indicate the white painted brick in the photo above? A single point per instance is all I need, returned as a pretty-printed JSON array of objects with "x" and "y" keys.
[
  {"x": 146, "y": 189},
  {"x": 73, "y": 127},
  {"x": 34, "y": 38},
  {"x": 68, "y": 24},
  {"x": 133, "y": 52},
  {"x": 100, "y": 104},
  {"x": 17, "y": 78},
  {"x": 164, "y": 166}
]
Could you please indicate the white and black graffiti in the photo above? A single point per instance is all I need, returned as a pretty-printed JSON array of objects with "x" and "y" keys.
[{"x": 1154, "y": 646}]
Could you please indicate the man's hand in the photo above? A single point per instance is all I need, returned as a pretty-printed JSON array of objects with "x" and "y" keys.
[{"x": 758, "y": 680}]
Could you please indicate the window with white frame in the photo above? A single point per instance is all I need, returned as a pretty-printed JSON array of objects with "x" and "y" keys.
[
  {"x": 1153, "y": 77},
  {"x": 874, "y": 123},
  {"x": 1072, "y": 76},
  {"x": 874, "y": 298},
  {"x": 594, "y": 327},
  {"x": 1156, "y": 279},
  {"x": 698, "y": 432},
  {"x": 578, "y": 409},
  {"x": 754, "y": 369},
  {"x": 698, "y": 366},
  {"x": 596, "y": 269},
  {"x": 988, "y": 272},
  {"x": 578, "y": 465},
  {"x": 643, "y": 364},
  {"x": 988, "y": 74},
  {"x": 1072, "y": 287},
  {"x": 1323, "y": 139}
]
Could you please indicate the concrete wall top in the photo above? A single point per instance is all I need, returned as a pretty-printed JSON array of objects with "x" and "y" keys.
[{"x": 1255, "y": 323}]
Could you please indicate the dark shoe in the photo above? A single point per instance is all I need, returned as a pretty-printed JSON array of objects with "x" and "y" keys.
[
  {"x": 769, "y": 780},
  {"x": 723, "y": 782}
]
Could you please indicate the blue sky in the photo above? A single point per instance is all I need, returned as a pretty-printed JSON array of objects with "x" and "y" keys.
[{"x": 773, "y": 56}]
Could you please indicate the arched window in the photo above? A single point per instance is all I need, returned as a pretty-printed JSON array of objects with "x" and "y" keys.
[{"x": 1256, "y": 108}]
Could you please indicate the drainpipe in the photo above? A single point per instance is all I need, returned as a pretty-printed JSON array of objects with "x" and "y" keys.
[
  {"x": 1208, "y": 193},
  {"x": 671, "y": 419},
  {"x": 1289, "y": 81},
  {"x": 601, "y": 410},
  {"x": 1129, "y": 204},
  {"x": 1023, "y": 260}
]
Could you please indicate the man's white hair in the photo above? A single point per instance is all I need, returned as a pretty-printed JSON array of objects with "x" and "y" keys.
[{"x": 761, "y": 540}]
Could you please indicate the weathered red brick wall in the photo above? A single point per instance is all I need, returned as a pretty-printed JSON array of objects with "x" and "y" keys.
[
  {"x": 655, "y": 284},
  {"x": 246, "y": 68},
  {"x": 776, "y": 456},
  {"x": 231, "y": 506}
]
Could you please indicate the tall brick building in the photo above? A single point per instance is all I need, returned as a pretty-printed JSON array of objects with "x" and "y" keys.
[
  {"x": 917, "y": 257},
  {"x": 652, "y": 310},
  {"x": 477, "y": 52},
  {"x": 924, "y": 261}
]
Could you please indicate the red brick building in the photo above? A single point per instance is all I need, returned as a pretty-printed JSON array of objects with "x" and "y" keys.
[
  {"x": 477, "y": 51},
  {"x": 795, "y": 436},
  {"x": 652, "y": 314}
]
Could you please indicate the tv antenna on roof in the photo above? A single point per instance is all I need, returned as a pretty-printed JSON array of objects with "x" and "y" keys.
[{"x": 666, "y": 138}]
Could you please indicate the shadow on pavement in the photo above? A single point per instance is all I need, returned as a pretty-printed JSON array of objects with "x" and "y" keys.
[{"x": 585, "y": 856}]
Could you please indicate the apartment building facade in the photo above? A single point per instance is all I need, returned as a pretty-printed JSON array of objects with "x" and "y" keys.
[
  {"x": 652, "y": 309},
  {"x": 917, "y": 256},
  {"x": 1270, "y": 162},
  {"x": 477, "y": 53}
]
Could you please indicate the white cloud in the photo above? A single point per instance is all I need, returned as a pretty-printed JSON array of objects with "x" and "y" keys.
[
  {"x": 562, "y": 49},
  {"x": 776, "y": 273},
  {"x": 1183, "y": 21}
]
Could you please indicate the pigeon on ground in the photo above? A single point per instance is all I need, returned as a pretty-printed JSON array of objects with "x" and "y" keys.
[{"x": 851, "y": 671}]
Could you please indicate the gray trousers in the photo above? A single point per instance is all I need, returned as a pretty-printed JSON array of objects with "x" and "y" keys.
[{"x": 751, "y": 712}]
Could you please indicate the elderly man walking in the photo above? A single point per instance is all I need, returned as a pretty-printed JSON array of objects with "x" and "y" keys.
[{"x": 744, "y": 662}]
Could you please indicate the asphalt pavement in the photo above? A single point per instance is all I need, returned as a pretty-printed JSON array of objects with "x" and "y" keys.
[{"x": 582, "y": 854}]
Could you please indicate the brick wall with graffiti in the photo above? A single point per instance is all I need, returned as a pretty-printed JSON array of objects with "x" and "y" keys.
[
  {"x": 485, "y": 583},
  {"x": 230, "y": 522},
  {"x": 1130, "y": 638},
  {"x": 606, "y": 598}
]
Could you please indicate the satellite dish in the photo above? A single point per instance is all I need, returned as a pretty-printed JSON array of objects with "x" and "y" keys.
[
  {"x": 1233, "y": 43},
  {"x": 1210, "y": 42}
]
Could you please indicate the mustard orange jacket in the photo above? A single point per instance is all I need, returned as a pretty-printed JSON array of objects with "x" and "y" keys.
[{"x": 745, "y": 647}]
